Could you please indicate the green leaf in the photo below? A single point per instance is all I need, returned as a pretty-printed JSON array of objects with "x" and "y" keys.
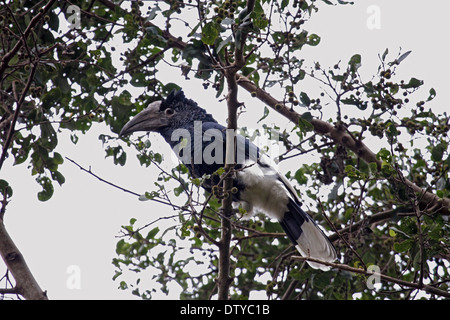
[
  {"x": 384, "y": 154},
  {"x": 383, "y": 57},
  {"x": 48, "y": 136},
  {"x": 47, "y": 189},
  {"x": 116, "y": 275},
  {"x": 152, "y": 233},
  {"x": 148, "y": 196},
  {"x": 220, "y": 171},
  {"x": 169, "y": 87},
  {"x": 120, "y": 246},
  {"x": 432, "y": 94},
  {"x": 118, "y": 154},
  {"x": 305, "y": 99},
  {"x": 138, "y": 80},
  {"x": 259, "y": 19},
  {"x": 412, "y": 84},
  {"x": 57, "y": 176},
  {"x": 266, "y": 113},
  {"x": 438, "y": 151},
  {"x": 74, "y": 138},
  {"x": 125, "y": 98},
  {"x": 258, "y": 9},
  {"x": 300, "y": 176},
  {"x": 210, "y": 32},
  {"x": 402, "y": 57},
  {"x": 178, "y": 190},
  {"x": 354, "y": 173},
  {"x": 5, "y": 188},
  {"x": 307, "y": 116},
  {"x": 392, "y": 233},
  {"x": 391, "y": 130},
  {"x": 387, "y": 170},
  {"x": 402, "y": 246},
  {"x": 58, "y": 158},
  {"x": 123, "y": 285},
  {"x": 51, "y": 98},
  {"x": 373, "y": 168},
  {"x": 62, "y": 84},
  {"x": 313, "y": 40},
  {"x": 352, "y": 100},
  {"x": 305, "y": 122},
  {"x": 355, "y": 62},
  {"x": 196, "y": 49}
]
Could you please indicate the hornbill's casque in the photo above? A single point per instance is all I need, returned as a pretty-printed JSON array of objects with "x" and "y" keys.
[{"x": 199, "y": 141}]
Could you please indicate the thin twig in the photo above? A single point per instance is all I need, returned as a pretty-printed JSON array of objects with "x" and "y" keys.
[{"x": 113, "y": 184}]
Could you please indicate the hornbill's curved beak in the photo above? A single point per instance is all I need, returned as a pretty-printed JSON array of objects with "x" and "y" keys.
[{"x": 149, "y": 119}]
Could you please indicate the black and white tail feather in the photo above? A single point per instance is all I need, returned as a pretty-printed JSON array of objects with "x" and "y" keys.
[
  {"x": 268, "y": 191},
  {"x": 307, "y": 237}
]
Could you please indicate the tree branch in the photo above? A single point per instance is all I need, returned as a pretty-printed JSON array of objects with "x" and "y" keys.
[
  {"x": 26, "y": 284},
  {"x": 419, "y": 286},
  {"x": 224, "y": 280},
  {"x": 374, "y": 218},
  {"x": 9, "y": 291},
  {"x": 233, "y": 104}
]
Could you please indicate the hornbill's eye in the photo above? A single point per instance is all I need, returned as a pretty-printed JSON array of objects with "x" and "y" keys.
[{"x": 169, "y": 112}]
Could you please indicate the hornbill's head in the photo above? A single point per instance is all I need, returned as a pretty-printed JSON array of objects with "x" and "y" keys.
[{"x": 171, "y": 113}]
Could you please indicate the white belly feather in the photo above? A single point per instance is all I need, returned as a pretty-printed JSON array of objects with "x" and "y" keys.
[{"x": 263, "y": 190}]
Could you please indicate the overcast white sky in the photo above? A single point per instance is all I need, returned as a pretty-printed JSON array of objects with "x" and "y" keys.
[{"x": 77, "y": 228}]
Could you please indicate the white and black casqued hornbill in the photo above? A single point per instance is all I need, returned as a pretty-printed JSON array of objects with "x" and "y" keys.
[{"x": 199, "y": 142}]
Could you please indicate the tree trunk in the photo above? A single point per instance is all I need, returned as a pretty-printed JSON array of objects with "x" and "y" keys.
[{"x": 26, "y": 285}]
